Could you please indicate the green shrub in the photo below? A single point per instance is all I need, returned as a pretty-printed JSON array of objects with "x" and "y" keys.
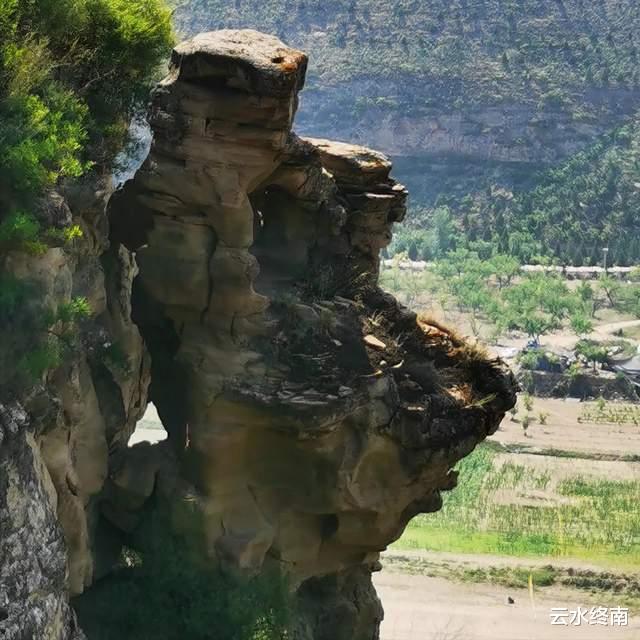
[
  {"x": 47, "y": 355},
  {"x": 169, "y": 595},
  {"x": 21, "y": 232},
  {"x": 530, "y": 359},
  {"x": 40, "y": 339},
  {"x": 72, "y": 74}
]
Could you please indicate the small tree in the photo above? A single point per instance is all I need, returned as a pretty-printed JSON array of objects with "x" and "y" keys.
[
  {"x": 588, "y": 298},
  {"x": 535, "y": 325},
  {"x": 581, "y": 325},
  {"x": 505, "y": 268},
  {"x": 527, "y": 400},
  {"x": 611, "y": 289},
  {"x": 526, "y": 421},
  {"x": 592, "y": 352}
]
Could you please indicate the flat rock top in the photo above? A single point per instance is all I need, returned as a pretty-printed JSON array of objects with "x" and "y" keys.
[
  {"x": 351, "y": 161},
  {"x": 248, "y": 60}
]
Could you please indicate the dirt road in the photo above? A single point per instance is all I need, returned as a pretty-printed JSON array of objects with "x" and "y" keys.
[
  {"x": 562, "y": 431},
  {"x": 600, "y": 332},
  {"x": 423, "y": 608}
]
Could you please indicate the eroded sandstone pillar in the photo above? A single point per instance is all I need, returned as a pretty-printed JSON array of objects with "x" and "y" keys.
[{"x": 310, "y": 416}]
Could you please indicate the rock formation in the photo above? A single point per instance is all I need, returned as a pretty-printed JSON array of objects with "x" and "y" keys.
[
  {"x": 55, "y": 438},
  {"x": 310, "y": 417}
]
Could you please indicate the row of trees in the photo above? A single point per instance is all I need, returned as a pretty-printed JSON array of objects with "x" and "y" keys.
[
  {"x": 493, "y": 291},
  {"x": 571, "y": 213}
]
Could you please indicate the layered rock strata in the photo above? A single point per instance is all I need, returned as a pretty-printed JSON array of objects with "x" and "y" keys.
[
  {"x": 310, "y": 417},
  {"x": 58, "y": 433}
]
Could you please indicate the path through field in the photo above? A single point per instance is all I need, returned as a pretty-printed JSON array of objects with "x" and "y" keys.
[{"x": 600, "y": 332}]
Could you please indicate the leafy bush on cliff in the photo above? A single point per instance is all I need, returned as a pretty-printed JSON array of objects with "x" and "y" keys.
[
  {"x": 165, "y": 594},
  {"x": 72, "y": 73}
]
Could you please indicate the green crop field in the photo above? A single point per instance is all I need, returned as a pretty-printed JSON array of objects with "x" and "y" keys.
[{"x": 584, "y": 518}]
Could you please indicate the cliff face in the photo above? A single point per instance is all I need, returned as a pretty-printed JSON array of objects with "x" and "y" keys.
[
  {"x": 462, "y": 81},
  {"x": 56, "y": 437},
  {"x": 310, "y": 417}
]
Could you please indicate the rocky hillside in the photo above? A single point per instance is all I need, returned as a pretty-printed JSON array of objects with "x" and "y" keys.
[
  {"x": 309, "y": 415},
  {"x": 509, "y": 82},
  {"x": 469, "y": 96}
]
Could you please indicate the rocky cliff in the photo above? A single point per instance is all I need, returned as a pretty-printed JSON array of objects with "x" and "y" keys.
[
  {"x": 454, "y": 86},
  {"x": 56, "y": 433},
  {"x": 310, "y": 417}
]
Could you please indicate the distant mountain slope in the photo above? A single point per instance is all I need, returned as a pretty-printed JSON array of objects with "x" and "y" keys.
[
  {"x": 478, "y": 51},
  {"x": 571, "y": 211},
  {"x": 464, "y": 94}
]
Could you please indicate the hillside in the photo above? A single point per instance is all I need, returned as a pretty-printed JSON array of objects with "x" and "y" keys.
[
  {"x": 466, "y": 96},
  {"x": 571, "y": 212},
  {"x": 473, "y": 77}
]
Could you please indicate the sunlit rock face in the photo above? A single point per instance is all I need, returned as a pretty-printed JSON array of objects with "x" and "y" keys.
[
  {"x": 310, "y": 417},
  {"x": 57, "y": 432}
]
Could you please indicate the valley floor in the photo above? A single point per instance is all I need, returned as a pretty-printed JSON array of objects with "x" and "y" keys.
[
  {"x": 419, "y": 607},
  {"x": 560, "y": 502}
]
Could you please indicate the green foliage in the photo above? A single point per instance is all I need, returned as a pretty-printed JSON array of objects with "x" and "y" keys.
[
  {"x": 530, "y": 359},
  {"x": 76, "y": 309},
  {"x": 580, "y": 324},
  {"x": 170, "y": 594},
  {"x": 570, "y": 213},
  {"x": 72, "y": 73},
  {"x": 431, "y": 235},
  {"x": 601, "y": 523},
  {"x": 41, "y": 339},
  {"x": 21, "y": 232},
  {"x": 610, "y": 413},
  {"x": 592, "y": 352},
  {"x": 48, "y": 354}
]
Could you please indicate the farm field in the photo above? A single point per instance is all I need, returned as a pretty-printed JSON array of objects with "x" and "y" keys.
[
  {"x": 547, "y": 519},
  {"x": 547, "y": 510}
]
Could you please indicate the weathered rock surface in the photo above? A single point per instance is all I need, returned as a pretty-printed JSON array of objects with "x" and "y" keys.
[
  {"x": 56, "y": 447},
  {"x": 310, "y": 417},
  {"x": 33, "y": 562}
]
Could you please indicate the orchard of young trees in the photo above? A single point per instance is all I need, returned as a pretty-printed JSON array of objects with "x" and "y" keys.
[{"x": 496, "y": 293}]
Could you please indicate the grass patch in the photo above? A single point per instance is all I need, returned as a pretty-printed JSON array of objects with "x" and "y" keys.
[
  {"x": 587, "y": 519},
  {"x": 603, "y": 412}
]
